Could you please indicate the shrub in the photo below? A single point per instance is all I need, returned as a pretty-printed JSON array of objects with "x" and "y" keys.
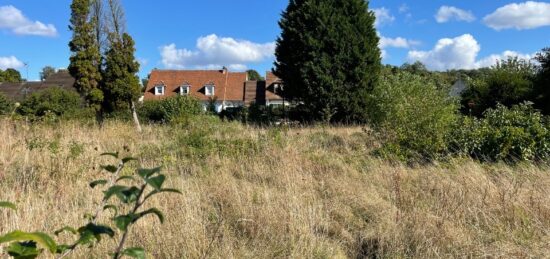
[
  {"x": 517, "y": 133},
  {"x": 415, "y": 115},
  {"x": 53, "y": 101},
  {"x": 172, "y": 110},
  {"x": 5, "y": 105}
]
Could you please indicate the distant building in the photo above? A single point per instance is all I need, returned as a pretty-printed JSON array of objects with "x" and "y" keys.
[
  {"x": 223, "y": 88},
  {"x": 18, "y": 91}
]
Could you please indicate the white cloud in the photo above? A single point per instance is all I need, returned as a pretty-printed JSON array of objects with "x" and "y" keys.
[
  {"x": 403, "y": 8},
  {"x": 10, "y": 62},
  {"x": 215, "y": 52},
  {"x": 383, "y": 16},
  {"x": 522, "y": 16},
  {"x": 458, "y": 53},
  {"x": 13, "y": 19},
  {"x": 398, "y": 42},
  {"x": 448, "y": 13}
]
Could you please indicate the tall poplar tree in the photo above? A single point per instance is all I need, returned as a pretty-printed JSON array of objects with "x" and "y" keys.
[
  {"x": 86, "y": 57},
  {"x": 328, "y": 57}
]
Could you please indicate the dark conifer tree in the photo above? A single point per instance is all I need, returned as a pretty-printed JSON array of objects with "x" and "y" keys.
[{"x": 328, "y": 57}]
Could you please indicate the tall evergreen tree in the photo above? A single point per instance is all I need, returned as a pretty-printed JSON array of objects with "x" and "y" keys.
[
  {"x": 328, "y": 57},
  {"x": 85, "y": 58},
  {"x": 543, "y": 81}
]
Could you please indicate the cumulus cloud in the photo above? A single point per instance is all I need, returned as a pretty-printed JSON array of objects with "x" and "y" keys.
[
  {"x": 13, "y": 19},
  {"x": 10, "y": 62},
  {"x": 448, "y": 13},
  {"x": 398, "y": 42},
  {"x": 459, "y": 53},
  {"x": 522, "y": 16},
  {"x": 403, "y": 8},
  {"x": 214, "y": 52},
  {"x": 383, "y": 16}
]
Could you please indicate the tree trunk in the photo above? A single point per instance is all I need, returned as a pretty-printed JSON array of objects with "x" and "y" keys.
[{"x": 134, "y": 114}]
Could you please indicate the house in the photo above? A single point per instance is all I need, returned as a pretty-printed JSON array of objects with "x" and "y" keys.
[
  {"x": 222, "y": 88},
  {"x": 18, "y": 91}
]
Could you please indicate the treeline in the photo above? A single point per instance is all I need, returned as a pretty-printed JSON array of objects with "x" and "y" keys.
[{"x": 10, "y": 75}]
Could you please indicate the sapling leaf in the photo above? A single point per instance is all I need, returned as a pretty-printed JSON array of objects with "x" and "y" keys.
[
  {"x": 129, "y": 195},
  {"x": 93, "y": 232},
  {"x": 122, "y": 178},
  {"x": 115, "y": 155},
  {"x": 113, "y": 190},
  {"x": 146, "y": 173},
  {"x": 156, "y": 182},
  {"x": 122, "y": 222},
  {"x": 134, "y": 252},
  {"x": 151, "y": 211},
  {"x": 23, "y": 250},
  {"x": 154, "y": 192},
  {"x": 110, "y": 168},
  {"x": 66, "y": 229},
  {"x": 128, "y": 159},
  {"x": 7, "y": 205},
  {"x": 38, "y": 237},
  {"x": 98, "y": 182}
]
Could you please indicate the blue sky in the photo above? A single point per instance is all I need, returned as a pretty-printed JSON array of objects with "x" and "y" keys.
[{"x": 240, "y": 33}]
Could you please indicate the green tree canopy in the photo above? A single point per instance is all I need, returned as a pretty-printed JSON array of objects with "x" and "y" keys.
[
  {"x": 10, "y": 76},
  {"x": 328, "y": 57},
  {"x": 253, "y": 75},
  {"x": 47, "y": 71},
  {"x": 543, "y": 81}
]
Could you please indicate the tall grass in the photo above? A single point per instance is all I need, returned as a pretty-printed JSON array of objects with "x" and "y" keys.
[{"x": 278, "y": 193}]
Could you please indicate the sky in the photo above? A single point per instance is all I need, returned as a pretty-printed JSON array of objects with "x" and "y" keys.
[{"x": 241, "y": 34}]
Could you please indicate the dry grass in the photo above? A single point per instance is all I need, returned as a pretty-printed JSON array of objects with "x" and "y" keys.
[{"x": 303, "y": 193}]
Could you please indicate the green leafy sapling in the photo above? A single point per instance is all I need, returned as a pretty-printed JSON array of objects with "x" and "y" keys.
[{"x": 124, "y": 196}]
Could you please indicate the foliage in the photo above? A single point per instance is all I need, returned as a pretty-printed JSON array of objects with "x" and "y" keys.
[
  {"x": 6, "y": 105},
  {"x": 176, "y": 109},
  {"x": 54, "y": 100},
  {"x": 86, "y": 57},
  {"x": 542, "y": 91},
  {"x": 328, "y": 57},
  {"x": 120, "y": 79},
  {"x": 10, "y": 76},
  {"x": 47, "y": 71},
  {"x": 253, "y": 75},
  {"x": 127, "y": 209},
  {"x": 510, "y": 82},
  {"x": 256, "y": 114},
  {"x": 517, "y": 133},
  {"x": 414, "y": 114}
]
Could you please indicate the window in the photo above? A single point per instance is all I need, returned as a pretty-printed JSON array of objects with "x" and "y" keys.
[
  {"x": 209, "y": 90},
  {"x": 159, "y": 90},
  {"x": 185, "y": 89}
]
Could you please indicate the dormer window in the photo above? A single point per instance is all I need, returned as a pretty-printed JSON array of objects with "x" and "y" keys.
[
  {"x": 185, "y": 89},
  {"x": 209, "y": 90},
  {"x": 159, "y": 90}
]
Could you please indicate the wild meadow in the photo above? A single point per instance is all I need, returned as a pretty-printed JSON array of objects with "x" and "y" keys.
[{"x": 279, "y": 192}]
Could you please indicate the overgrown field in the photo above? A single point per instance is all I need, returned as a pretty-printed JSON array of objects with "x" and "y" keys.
[{"x": 277, "y": 193}]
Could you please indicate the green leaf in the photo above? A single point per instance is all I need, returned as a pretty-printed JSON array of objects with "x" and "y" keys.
[
  {"x": 129, "y": 195},
  {"x": 151, "y": 211},
  {"x": 113, "y": 190},
  {"x": 66, "y": 229},
  {"x": 135, "y": 252},
  {"x": 38, "y": 237},
  {"x": 146, "y": 173},
  {"x": 7, "y": 205},
  {"x": 115, "y": 155},
  {"x": 23, "y": 250},
  {"x": 122, "y": 222},
  {"x": 110, "y": 168},
  {"x": 128, "y": 159},
  {"x": 161, "y": 191},
  {"x": 156, "y": 182},
  {"x": 98, "y": 182},
  {"x": 124, "y": 178},
  {"x": 92, "y": 232},
  {"x": 111, "y": 207}
]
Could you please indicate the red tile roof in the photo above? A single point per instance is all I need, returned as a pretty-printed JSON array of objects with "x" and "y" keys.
[
  {"x": 229, "y": 86},
  {"x": 272, "y": 79}
]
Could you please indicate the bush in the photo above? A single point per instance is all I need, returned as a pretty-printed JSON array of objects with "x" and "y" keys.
[
  {"x": 416, "y": 116},
  {"x": 51, "y": 102},
  {"x": 171, "y": 110},
  {"x": 517, "y": 133},
  {"x": 6, "y": 105}
]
